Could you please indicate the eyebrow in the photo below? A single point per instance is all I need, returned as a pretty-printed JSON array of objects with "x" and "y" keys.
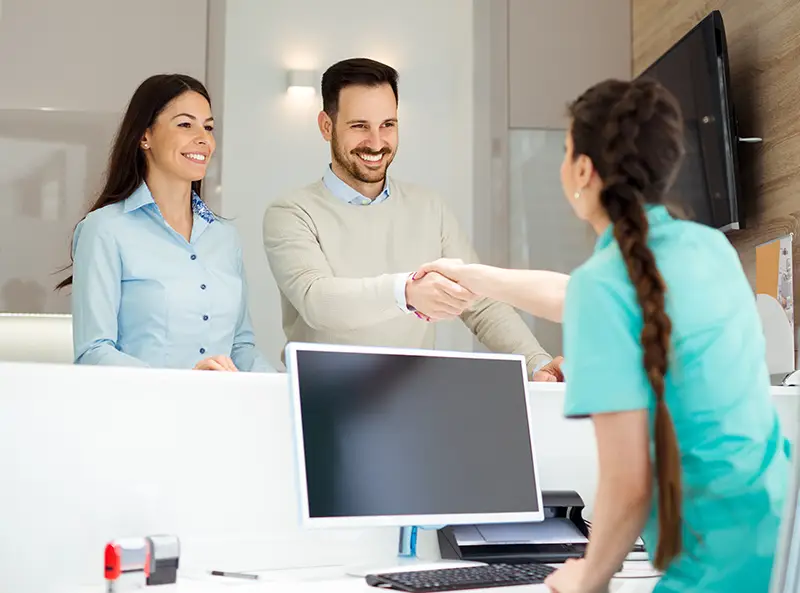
[
  {"x": 190, "y": 116},
  {"x": 363, "y": 121}
]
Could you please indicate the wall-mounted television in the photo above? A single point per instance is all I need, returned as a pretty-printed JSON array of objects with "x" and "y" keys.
[{"x": 696, "y": 70}]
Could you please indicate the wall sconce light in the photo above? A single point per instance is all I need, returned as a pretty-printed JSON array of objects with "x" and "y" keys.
[{"x": 301, "y": 83}]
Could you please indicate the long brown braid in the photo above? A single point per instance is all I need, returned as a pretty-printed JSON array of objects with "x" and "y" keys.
[{"x": 633, "y": 134}]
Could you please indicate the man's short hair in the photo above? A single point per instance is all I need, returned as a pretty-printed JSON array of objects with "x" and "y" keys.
[{"x": 355, "y": 71}]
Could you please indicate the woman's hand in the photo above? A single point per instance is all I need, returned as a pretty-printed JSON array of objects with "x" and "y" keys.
[
  {"x": 216, "y": 363},
  {"x": 572, "y": 578},
  {"x": 450, "y": 268}
]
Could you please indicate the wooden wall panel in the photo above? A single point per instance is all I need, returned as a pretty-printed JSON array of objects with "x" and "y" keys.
[{"x": 764, "y": 49}]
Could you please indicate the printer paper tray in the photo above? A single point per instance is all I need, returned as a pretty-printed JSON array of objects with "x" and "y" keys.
[{"x": 525, "y": 553}]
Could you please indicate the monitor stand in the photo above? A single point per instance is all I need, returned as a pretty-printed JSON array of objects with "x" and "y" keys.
[{"x": 407, "y": 559}]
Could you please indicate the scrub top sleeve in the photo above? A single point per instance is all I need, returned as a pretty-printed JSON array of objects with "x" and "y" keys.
[{"x": 602, "y": 351}]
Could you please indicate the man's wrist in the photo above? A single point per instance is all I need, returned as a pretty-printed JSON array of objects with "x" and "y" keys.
[
  {"x": 401, "y": 283},
  {"x": 541, "y": 361}
]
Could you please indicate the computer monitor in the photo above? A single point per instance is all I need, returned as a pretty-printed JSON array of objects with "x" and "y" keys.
[{"x": 400, "y": 437}]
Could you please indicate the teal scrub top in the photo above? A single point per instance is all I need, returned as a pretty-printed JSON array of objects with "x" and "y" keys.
[{"x": 733, "y": 454}]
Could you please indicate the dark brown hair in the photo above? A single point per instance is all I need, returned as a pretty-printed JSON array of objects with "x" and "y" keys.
[
  {"x": 633, "y": 134},
  {"x": 127, "y": 165},
  {"x": 355, "y": 71}
]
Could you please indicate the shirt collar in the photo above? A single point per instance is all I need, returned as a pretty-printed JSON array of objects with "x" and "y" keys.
[
  {"x": 139, "y": 198},
  {"x": 142, "y": 197},
  {"x": 656, "y": 215},
  {"x": 347, "y": 194}
]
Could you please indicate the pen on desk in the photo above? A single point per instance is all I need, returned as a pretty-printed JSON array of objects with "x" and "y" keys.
[{"x": 234, "y": 575}]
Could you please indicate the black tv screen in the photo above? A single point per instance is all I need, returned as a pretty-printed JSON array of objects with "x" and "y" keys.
[{"x": 696, "y": 71}]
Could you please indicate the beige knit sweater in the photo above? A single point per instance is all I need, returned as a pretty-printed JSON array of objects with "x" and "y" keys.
[{"x": 334, "y": 264}]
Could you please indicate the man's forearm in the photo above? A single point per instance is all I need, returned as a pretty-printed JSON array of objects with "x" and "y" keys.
[
  {"x": 346, "y": 304},
  {"x": 501, "y": 329}
]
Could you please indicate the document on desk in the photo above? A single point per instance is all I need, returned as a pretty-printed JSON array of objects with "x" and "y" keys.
[{"x": 551, "y": 531}]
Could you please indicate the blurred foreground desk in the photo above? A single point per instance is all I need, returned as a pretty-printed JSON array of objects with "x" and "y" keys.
[
  {"x": 101, "y": 453},
  {"x": 330, "y": 580}
]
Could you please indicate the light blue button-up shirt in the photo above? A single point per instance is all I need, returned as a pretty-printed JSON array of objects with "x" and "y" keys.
[
  {"x": 144, "y": 296},
  {"x": 352, "y": 196}
]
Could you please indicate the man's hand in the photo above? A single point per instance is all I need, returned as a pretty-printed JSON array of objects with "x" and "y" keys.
[
  {"x": 216, "y": 363},
  {"x": 436, "y": 297},
  {"x": 551, "y": 372}
]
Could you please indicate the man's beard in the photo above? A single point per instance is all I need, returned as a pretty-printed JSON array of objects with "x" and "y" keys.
[{"x": 351, "y": 165}]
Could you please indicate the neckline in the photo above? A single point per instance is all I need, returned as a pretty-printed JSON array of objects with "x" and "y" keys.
[{"x": 656, "y": 216}]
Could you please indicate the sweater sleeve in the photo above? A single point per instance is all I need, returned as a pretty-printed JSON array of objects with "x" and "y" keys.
[
  {"x": 305, "y": 277},
  {"x": 497, "y": 325}
]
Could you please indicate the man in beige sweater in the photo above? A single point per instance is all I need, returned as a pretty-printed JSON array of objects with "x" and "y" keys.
[{"x": 344, "y": 249}]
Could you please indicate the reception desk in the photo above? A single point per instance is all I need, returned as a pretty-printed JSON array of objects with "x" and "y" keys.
[{"x": 95, "y": 453}]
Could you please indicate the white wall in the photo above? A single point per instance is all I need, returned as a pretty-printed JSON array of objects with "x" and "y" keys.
[
  {"x": 271, "y": 142},
  {"x": 67, "y": 70},
  {"x": 88, "y": 55}
]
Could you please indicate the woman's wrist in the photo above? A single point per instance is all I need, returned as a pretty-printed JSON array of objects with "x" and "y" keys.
[
  {"x": 591, "y": 582},
  {"x": 470, "y": 278}
]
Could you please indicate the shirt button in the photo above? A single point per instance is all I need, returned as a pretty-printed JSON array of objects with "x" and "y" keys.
[
  {"x": 194, "y": 257},
  {"x": 202, "y": 350},
  {"x": 202, "y": 287},
  {"x": 205, "y": 317}
]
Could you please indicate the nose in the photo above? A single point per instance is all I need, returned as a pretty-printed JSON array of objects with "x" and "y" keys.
[{"x": 375, "y": 139}]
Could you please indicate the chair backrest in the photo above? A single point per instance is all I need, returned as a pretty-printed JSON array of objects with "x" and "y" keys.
[
  {"x": 778, "y": 334},
  {"x": 36, "y": 338}
]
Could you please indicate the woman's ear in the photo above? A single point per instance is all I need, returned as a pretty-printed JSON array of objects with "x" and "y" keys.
[{"x": 584, "y": 170}]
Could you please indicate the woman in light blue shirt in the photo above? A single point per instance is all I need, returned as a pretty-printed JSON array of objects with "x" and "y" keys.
[
  {"x": 665, "y": 352},
  {"x": 157, "y": 278}
]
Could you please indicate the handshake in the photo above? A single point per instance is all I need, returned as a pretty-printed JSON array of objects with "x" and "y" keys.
[
  {"x": 445, "y": 288},
  {"x": 437, "y": 290}
]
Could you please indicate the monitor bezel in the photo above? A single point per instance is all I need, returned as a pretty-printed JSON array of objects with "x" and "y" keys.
[{"x": 308, "y": 521}]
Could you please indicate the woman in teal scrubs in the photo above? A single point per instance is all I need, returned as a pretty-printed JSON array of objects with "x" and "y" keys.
[{"x": 665, "y": 352}]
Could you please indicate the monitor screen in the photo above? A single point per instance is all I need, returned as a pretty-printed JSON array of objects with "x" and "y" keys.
[
  {"x": 695, "y": 71},
  {"x": 408, "y": 437}
]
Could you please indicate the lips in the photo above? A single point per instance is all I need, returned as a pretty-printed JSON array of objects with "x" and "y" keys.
[
  {"x": 196, "y": 157},
  {"x": 371, "y": 159}
]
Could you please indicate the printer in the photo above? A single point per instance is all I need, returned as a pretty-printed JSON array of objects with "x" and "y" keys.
[{"x": 562, "y": 535}]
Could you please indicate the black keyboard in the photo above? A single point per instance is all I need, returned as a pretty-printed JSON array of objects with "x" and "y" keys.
[{"x": 456, "y": 579}]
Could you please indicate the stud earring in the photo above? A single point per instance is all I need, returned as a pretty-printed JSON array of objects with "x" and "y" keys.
[
  {"x": 577, "y": 195},
  {"x": 145, "y": 145}
]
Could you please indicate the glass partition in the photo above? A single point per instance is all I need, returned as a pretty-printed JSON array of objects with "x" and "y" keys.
[{"x": 544, "y": 232}]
